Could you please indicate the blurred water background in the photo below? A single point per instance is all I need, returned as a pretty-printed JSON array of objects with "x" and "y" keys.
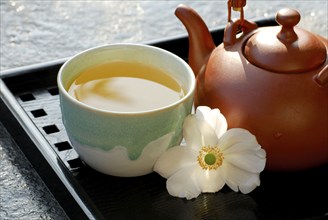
[{"x": 40, "y": 31}]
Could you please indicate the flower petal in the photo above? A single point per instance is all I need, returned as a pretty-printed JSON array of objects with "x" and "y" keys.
[
  {"x": 237, "y": 178},
  {"x": 236, "y": 135},
  {"x": 214, "y": 118},
  {"x": 174, "y": 159},
  {"x": 209, "y": 180},
  {"x": 183, "y": 183},
  {"x": 204, "y": 113},
  {"x": 191, "y": 132},
  {"x": 247, "y": 160},
  {"x": 197, "y": 132},
  {"x": 241, "y": 149},
  {"x": 221, "y": 125}
]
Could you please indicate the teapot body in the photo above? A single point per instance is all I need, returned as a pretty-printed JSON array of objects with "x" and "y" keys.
[{"x": 287, "y": 112}]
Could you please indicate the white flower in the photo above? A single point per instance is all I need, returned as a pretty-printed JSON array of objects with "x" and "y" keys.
[{"x": 213, "y": 157}]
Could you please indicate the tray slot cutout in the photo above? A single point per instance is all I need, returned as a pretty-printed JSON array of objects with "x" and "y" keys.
[
  {"x": 38, "y": 113},
  {"x": 75, "y": 163},
  {"x": 27, "y": 97},
  {"x": 53, "y": 91},
  {"x": 62, "y": 146},
  {"x": 50, "y": 129}
]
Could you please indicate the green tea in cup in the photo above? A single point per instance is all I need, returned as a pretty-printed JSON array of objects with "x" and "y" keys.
[{"x": 125, "y": 87}]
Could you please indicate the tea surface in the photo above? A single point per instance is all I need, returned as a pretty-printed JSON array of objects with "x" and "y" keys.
[{"x": 125, "y": 87}]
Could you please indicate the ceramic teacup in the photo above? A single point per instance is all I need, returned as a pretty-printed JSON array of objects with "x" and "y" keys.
[{"x": 124, "y": 143}]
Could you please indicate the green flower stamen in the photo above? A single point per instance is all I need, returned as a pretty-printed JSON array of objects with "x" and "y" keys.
[{"x": 210, "y": 158}]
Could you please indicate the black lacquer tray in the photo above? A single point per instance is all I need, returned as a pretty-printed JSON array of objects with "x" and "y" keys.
[{"x": 30, "y": 111}]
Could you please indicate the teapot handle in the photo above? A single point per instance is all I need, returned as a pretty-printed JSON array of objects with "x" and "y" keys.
[
  {"x": 233, "y": 28},
  {"x": 322, "y": 77}
]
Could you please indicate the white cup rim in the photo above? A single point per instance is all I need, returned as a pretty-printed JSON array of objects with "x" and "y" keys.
[{"x": 64, "y": 92}]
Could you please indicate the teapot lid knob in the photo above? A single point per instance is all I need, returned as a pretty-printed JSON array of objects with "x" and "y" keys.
[{"x": 287, "y": 18}]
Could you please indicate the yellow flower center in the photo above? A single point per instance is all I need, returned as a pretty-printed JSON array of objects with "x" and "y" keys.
[{"x": 210, "y": 158}]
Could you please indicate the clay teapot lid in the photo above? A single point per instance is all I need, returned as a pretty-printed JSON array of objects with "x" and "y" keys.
[{"x": 286, "y": 49}]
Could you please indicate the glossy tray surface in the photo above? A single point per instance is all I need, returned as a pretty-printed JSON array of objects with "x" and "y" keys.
[{"x": 31, "y": 112}]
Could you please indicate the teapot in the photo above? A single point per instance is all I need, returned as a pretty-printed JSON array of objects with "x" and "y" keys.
[{"x": 272, "y": 81}]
